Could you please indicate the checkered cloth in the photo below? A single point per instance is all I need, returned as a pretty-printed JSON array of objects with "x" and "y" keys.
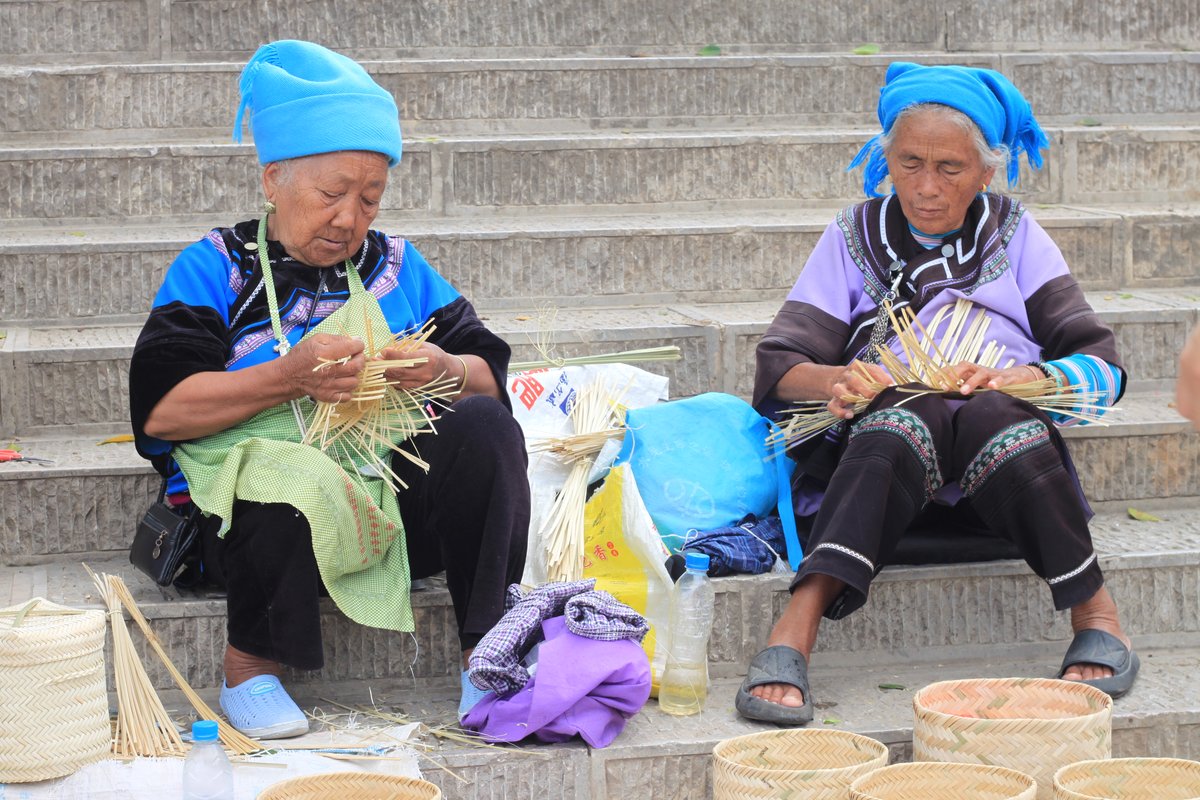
[
  {"x": 496, "y": 664},
  {"x": 749, "y": 547},
  {"x": 599, "y": 615}
]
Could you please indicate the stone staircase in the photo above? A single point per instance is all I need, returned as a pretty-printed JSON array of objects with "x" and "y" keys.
[{"x": 581, "y": 155}]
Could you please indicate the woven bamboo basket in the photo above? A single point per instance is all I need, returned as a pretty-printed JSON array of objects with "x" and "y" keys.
[
  {"x": 933, "y": 781},
  {"x": 357, "y": 785},
  {"x": 1033, "y": 725},
  {"x": 53, "y": 698},
  {"x": 1129, "y": 779},
  {"x": 801, "y": 764}
]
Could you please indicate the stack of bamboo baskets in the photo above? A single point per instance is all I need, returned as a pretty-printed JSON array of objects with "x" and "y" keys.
[{"x": 987, "y": 739}]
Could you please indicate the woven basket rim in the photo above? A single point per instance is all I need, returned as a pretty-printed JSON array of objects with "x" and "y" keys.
[
  {"x": 1050, "y": 684},
  {"x": 943, "y": 766},
  {"x": 349, "y": 780},
  {"x": 797, "y": 733},
  {"x": 1121, "y": 766}
]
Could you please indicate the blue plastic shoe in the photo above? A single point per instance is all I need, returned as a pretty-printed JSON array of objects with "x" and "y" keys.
[
  {"x": 262, "y": 709},
  {"x": 471, "y": 694}
]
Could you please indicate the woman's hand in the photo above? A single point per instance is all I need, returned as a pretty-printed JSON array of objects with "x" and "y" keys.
[
  {"x": 972, "y": 376},
  {"x": 438, "y": 363},
  {"x": 334, "y": 382},
  {"x": 852, "y": 381}
]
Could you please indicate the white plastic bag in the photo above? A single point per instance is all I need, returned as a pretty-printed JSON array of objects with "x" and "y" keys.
[{"x": 541, "y": 401}]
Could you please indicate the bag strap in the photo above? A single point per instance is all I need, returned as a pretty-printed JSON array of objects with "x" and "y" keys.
[
  {"x": 787, "y": 514},
  {"x": 162, "y": 491}
]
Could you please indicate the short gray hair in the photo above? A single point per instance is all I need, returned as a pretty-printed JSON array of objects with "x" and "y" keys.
[
  {"x": 992, "y": 157},
  {"x": 285, "y": 170}
]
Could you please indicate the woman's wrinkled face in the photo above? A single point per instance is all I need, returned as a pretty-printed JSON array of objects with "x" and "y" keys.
[
  {"x": 325, "y": 203},
  {"x": 936, "y": 170}
]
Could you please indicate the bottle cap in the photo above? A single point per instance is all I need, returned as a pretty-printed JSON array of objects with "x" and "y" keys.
[
  {"x": 696, "y": 560},
  {"x": 204, "y": 730}
]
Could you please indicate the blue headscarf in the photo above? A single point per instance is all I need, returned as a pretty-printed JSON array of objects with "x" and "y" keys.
[
  {"x": 984, "y": 95},
  {"x": 305, "y": 99}
]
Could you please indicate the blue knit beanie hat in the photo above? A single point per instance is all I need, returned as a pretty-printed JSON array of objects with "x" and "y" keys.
[
  {"x": 984, "y": 95},
  {"x": 305, "y": 99}
]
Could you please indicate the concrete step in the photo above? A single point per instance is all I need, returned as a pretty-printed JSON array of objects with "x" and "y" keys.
[
  {"x": 661, "y": 756},
  {"x": 178, "y": 29},
  {"x": 532, "y": 94},
  {"x": 42, "y": 369},
  {"x": 631, "y": 171},
  {"x": 83, "y": 274},
  {"x": 89, "y": 498},
  {"x": 931, "y": 615}
]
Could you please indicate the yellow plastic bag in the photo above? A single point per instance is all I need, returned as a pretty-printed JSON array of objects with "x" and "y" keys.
[{"x": 625, "y": 554}]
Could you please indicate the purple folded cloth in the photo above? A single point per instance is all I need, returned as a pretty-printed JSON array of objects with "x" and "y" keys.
[{"x": 585, "y": 687}]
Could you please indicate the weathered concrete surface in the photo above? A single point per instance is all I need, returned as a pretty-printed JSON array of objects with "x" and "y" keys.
[
  {"x": 79, "y": 272},
  {"x": 933, "y": 614}
]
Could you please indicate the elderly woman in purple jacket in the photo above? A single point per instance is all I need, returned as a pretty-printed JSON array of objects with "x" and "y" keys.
[{"x": 985, "y": 459}]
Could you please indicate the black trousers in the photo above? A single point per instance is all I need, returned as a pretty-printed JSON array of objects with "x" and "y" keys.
[
  {"x": 468, "y": 516},
  {"x": 1004, "y": 454}
]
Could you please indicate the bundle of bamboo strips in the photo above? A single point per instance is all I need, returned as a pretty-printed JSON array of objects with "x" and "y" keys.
[
  {"x": 233, "y": 739},
  {"x": 143, "y": 726},
  {"x": 595, "y": 417},
  {"x": 929, "y": 360},
  {"x": 379, "y": 415}
]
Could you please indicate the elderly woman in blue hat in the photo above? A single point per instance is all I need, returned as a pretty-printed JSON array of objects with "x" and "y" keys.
[
  {"x": 255, "y": 323},
  {"x": 975, "y": 459}
]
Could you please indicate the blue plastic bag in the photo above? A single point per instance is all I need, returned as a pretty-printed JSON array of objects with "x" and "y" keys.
[{"x": 703, "y": 462}]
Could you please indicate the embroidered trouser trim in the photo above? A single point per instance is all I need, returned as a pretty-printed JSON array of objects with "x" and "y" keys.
[{"x": 998, "y": 448}]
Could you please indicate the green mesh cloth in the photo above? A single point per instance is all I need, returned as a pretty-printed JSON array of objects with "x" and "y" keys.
[{"x": 357, "y": 534}]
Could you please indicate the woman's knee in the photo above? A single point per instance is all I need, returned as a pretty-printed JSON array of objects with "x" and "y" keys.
[{"x": 485, "y": 422}]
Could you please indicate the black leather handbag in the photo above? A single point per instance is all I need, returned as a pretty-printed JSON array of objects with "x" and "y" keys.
[{"x": 165, "y": 538}]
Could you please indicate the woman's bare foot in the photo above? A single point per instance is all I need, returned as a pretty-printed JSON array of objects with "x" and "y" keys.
[
  {"x": 240, "y": 667},
  {"x": 1099, "y": 613},
  {"x": 797, "y": 628}
]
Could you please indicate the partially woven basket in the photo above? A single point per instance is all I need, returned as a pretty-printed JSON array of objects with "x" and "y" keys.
[
  {"x": 932, "y": 781},
  {"x": 1129, "y": 779},
  {"x": 53, "y": 698},
  {"x": 1033, "y": 725},
  {"x": 357, "y": 785},
  {"x": 801, "y": 764}
]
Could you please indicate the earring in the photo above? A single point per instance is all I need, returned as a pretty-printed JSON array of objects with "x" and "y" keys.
[
  {"x": 268, "y": 207},
  {"x": 983, "y": 187}
]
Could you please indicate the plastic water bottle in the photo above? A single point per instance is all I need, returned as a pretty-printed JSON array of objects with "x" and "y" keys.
[
  {"x": 684, "y": 685},
  {"x": 207, "y": 773}
]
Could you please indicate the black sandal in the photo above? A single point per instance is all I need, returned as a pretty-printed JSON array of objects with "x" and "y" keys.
[
  {"x": 777, "y": 664},
  {"x": 1093, "y": 646}
]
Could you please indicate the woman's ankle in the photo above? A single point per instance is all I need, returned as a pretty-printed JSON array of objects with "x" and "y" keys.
[{"x": 240, "y": 666}]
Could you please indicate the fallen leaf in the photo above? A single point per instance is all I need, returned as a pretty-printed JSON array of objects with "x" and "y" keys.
[
  {"x": 118, "y": 439},
  {"x": 1172, "y": 404},
  {"x": 866, "y": 50},
  {"x": 521, "y": 318},
  {"x": 1142, "y": 516},
  {"x": 709, "y": 50},
  {"x": 886, "y": 686},
  {"x": 76, "y": 233},
  {"x": 1090, "y": 122},
  {"x": 831, "y": 721},
  {"x": 1125, "y": 296}
]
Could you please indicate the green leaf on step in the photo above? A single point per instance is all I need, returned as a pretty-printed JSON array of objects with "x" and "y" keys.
[
  {"x": 831, "y": 721},
  {"x": 1142, "y": 516},
  {"x": 887, "y": 686},
  {"x": 866, "y": 50},
  {"x": 76, "y": 233},
  {"x": 1090, "y": 122},
  {"x": 1125, "y": 296},
  {"x": 709, "y": 50}
]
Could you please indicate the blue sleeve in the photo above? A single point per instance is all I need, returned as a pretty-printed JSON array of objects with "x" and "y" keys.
[{"x": 1097, "y": 383}]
